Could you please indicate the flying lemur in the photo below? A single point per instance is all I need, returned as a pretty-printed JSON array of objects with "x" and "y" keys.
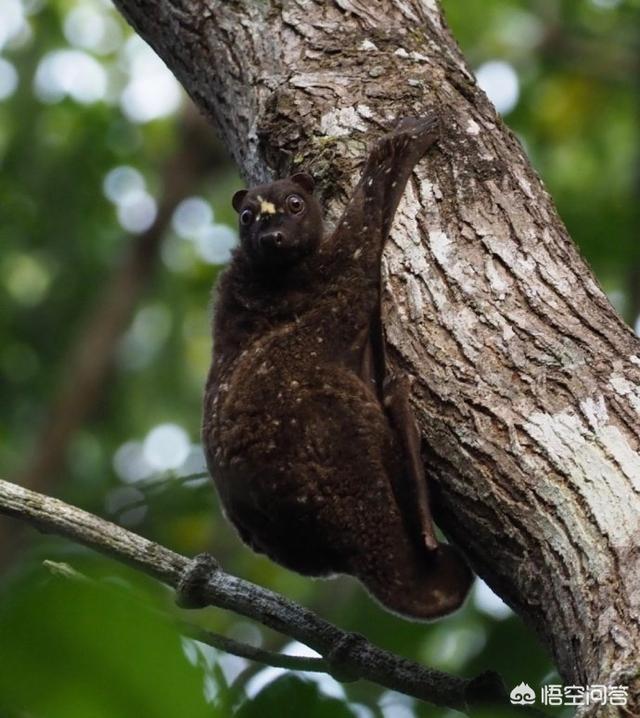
[{"x": 310, "y": 441}]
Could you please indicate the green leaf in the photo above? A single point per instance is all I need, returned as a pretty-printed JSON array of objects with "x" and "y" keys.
[
  {"x": 291, "y": 695},
  {"x": 75, "y": 650}
]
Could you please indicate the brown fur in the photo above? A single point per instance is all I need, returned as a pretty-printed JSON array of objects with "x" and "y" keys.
[{"x": 309, "y": 465}]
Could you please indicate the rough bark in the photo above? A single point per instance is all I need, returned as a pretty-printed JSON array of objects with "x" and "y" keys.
[{"x": 528, "y": 383}]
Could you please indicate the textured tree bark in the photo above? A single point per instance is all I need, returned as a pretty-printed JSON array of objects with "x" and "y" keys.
[{"x": 527, "y": 382}]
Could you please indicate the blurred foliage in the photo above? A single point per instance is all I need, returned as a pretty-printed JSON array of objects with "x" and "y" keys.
[
  {"x": 94, "y": 651},
  {"x": 578, "y": 115},
  {"x": 112, "y": 649}
]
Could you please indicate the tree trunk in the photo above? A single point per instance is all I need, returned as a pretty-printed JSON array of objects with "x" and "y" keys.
[{"x": 527, "y": 382}]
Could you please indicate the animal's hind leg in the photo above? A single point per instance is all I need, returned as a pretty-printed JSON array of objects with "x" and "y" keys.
[
  {"x": 393, "y": 391},
  {"x": 396, "y": 400}
]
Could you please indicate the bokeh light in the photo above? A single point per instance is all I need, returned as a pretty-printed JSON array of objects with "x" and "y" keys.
[
  {"x": 89, "y": 28},
  {"x": 452, "y": 645},
  {"x": 26, "y": 278},
  {"x": 396, "y": 705},
  {"x": 191, "y": 217},
  {"x": 488, "y": 602},
  {"x": 359, "y": 710},
  {"x": 12, "y": 21},
  {"x": 8, "y": 79},
  {"x": 215, "y": 243},
  {"x": 145, "y": 337},
  {"x": 136, "y": 209},
  {"x": 152, "y": 91},
  {"x": 325, "y": 683},
  {"x": 193, "y": 221},
  {"x": 500, "y": 82},
  {"x": 127, "y": 503},
  {"x": 70, "y": 73},
  {"x": 130, "y": 464},
  {"x": 166, "y": 447},
  {"x": 606, "y": 4},
  {"x": 137, "y": 212},
  {"x": 195, "y": 463},
  {"x": 120, "y": 182},
  {"x": 520, "y": 31}
]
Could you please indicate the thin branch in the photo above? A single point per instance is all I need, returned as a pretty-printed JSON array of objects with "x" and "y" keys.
[
  {"x": 203, "y": 635},
  {"x": 252, "y": 653},
  {"x": 156, "y": 485},
  {"x": 348, "y": 656},
  {"x": 164, "y": 480}
]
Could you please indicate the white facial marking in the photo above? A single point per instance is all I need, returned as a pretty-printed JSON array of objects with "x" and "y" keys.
[{"x": 266, "y": 207}]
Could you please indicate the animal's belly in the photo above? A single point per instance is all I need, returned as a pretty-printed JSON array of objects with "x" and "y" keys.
[
  {"x": 283, "y": 402},
  {"x": 294, "y": 458}
]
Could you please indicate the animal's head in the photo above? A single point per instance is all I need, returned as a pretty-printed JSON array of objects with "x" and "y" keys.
[{"x": 280, "y": 223}]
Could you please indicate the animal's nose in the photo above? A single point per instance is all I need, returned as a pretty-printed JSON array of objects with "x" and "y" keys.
[{"x": 271, "y": 240}]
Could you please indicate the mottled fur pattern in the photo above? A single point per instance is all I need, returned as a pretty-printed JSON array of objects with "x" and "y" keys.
[{"x": 311, "y": 468}]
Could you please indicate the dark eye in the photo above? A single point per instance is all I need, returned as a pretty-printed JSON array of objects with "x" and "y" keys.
[
  {"x": 295, "y": 203},
  {"x": 246, "y": 217}
]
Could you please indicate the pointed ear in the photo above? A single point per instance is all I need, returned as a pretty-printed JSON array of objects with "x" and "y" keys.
[
  {"x": 304, "y": 180},
  {"x": 237, "y": 199}
]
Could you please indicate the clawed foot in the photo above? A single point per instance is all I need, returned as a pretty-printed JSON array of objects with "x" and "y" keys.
[
  {"x": 339, "y": 655},
  {"x": 191, "y": 590},
  {"x": 418, "y": 126},
  {"x": 405, "y": 145},
  {"x": 418, "y": 133},
  {"x": 395, "y": 384}
]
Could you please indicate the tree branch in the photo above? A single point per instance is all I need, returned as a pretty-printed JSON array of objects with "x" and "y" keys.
[
  {"x": 203, "y": 635},
  {"x": 346, "y": 656}
]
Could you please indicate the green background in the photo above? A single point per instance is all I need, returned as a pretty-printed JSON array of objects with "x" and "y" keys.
[{"x": 110, "y": 647}]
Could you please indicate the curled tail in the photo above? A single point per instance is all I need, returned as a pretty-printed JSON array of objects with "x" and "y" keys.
[{"x": 430, "y": 586}]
